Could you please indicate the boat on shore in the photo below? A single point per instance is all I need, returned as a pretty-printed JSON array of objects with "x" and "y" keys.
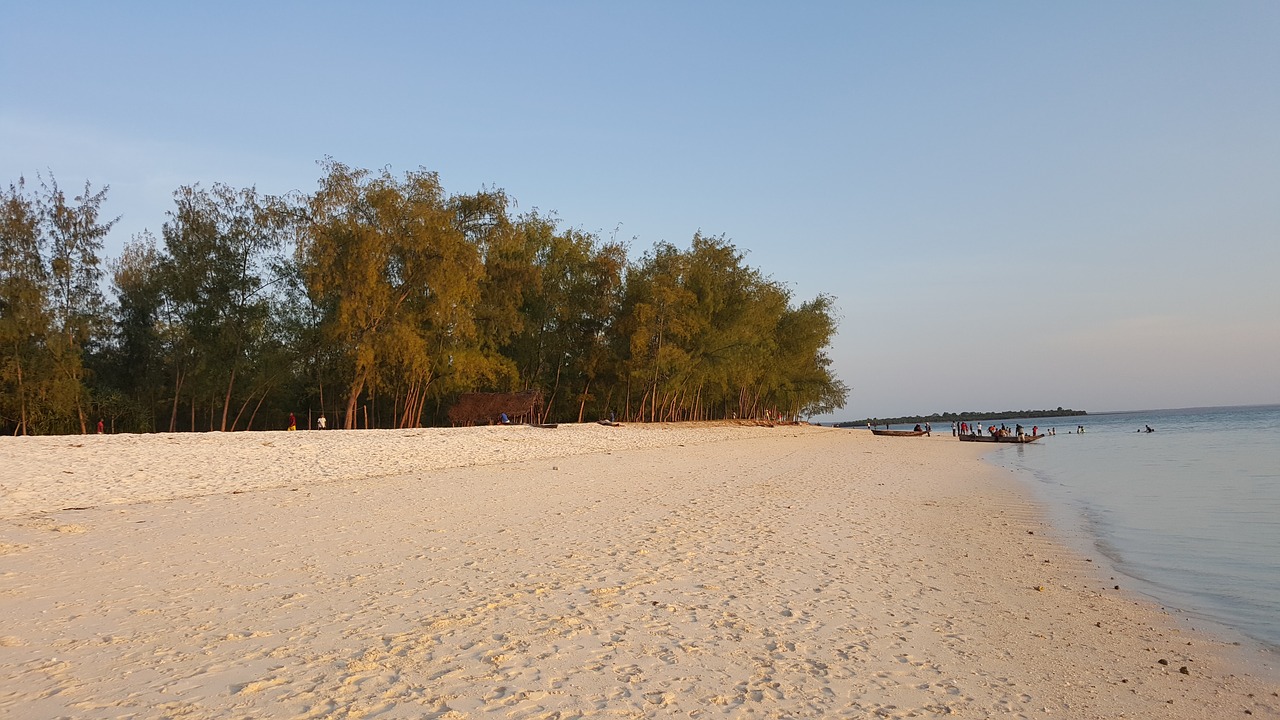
[
  {"x": 898, "y": 433},
  {"x": 1001, "y": 439}
]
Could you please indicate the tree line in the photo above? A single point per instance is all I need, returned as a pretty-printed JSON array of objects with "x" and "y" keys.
[
  {"x": 964, "y": 416},
  {"x": 376, "y": 300}
]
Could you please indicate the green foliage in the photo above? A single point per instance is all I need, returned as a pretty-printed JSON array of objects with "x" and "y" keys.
[
  {"x": 397, "y": 281},
  {"x": 567, "y": 310},
  {"x": 218, "y": 271},
  {"x": 24, "y": 316},
  {"x": 135, "y": 368},
  {"x": 52, "y": 313},
  {"x": 376, "y": 300},
  {"x": 709, "y": 337}
]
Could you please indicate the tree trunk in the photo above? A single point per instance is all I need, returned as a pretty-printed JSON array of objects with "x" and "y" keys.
[
  {"x": 422, "y": 401},
  {"x": 353, "y": 402},
  {"x": 177, "y": 393},
  {"x": 226, "y": 401},
  {"x": 677, "y": 401},
  {"x": 414, "y": 397},
  {"x": 546, "y": 411},
  {"x": 244, "y": 405},
  {"x": 22, "y": 403},
  {"x": 608, "y": 402},
  {"x": 402, "y": 419},
  {"x": 582, "y": 405},
  {"x": 249, "y": 425}
]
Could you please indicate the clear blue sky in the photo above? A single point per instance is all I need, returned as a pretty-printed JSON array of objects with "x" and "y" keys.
[{"x": 1016, "y": 204}]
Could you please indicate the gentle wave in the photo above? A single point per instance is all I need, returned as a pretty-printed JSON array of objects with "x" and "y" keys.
[{"x": 1191, "y": 511}]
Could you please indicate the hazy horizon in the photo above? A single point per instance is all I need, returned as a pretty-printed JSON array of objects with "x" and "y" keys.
[
  {"x": 1012, "y": 413},
  {"x": 1016, "y": 206}
]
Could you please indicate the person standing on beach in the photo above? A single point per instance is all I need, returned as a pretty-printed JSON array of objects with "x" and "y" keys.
[
  {"x": 100, "y": 427},
  {"x": 321, "y": 422},
  {"x": 293, "y": 422}
]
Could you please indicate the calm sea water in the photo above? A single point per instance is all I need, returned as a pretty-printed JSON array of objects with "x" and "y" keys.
[{"x": 1190, "y": 513}]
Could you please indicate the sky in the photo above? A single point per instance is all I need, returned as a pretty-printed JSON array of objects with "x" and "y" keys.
[{"x": 1016, "y": 205}]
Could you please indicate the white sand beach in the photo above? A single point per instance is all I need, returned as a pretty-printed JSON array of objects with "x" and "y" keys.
[{"x": 641, "y": 571}]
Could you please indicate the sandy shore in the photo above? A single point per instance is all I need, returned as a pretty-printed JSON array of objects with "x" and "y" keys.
[{"x": 572, "y": 573}]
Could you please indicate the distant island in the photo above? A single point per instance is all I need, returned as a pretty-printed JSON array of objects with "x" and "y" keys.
[{"x": 965, "y": 416}]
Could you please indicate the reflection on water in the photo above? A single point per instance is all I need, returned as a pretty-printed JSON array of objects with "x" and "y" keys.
[{"x": 1191, "y": 510}]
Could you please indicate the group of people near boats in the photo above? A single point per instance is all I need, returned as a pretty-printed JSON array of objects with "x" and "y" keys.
[{"x": 964, "y": 428}]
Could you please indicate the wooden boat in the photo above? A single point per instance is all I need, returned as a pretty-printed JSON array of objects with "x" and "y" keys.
[
  {"x": 898, "y": 433},
  {"x": 1004, "y": 439}
]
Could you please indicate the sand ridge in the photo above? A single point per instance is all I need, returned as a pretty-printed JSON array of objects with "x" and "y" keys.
[{"x": 696, "y": 572}]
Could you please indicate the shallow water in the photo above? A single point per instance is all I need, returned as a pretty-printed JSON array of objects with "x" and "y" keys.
[{"x": 1191, "y": 512}]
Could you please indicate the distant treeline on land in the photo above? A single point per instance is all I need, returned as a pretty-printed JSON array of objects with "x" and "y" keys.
[
  {"x": 378, "y": 301},
  {"x": 966, "y": 416}
]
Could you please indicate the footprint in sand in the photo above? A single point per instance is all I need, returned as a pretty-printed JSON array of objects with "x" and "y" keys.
[{"x": 657, "y": 697}]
